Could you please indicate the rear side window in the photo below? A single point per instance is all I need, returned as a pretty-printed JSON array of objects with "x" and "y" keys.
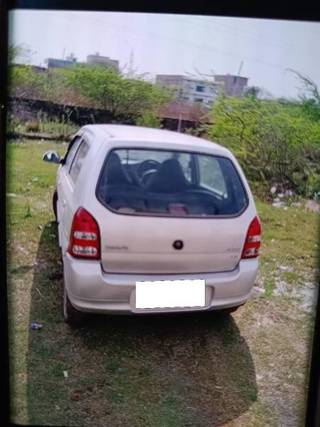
[
  {"x": 170, "y": 183},
  {"x": 72, "y": 149},
  {"x": 211, "y": 175},
  {"x": 78, "y": 160}
]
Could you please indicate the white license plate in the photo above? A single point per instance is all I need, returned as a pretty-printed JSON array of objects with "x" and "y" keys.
[{"x": 170, "y": 294}]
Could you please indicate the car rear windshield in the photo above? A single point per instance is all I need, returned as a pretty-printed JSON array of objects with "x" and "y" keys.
[{"x": 170, "y": 183}]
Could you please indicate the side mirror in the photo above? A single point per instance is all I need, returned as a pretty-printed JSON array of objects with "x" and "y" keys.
[{"x": 51, "y": 157}]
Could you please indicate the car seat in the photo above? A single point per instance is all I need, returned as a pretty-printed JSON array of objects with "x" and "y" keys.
[
  {"x": 169, "y": 178},
  {"x": 114, "y": 171}
]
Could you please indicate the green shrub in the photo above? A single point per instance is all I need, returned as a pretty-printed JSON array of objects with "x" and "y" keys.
[{"x": 274, "y": 141}]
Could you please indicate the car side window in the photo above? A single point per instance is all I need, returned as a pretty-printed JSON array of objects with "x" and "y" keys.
[
  {"x": 72, "y": 149},
  {"x": 185, "y": 162},
  {"x": 78, "y": 159},
  {"x": 211, "y": 176}
]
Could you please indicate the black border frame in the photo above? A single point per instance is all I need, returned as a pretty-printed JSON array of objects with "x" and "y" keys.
[
  {"x": 5, "y": 383},
  {"x": 307, "y": 11}
]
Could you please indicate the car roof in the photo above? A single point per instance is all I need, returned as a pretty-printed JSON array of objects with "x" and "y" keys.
[{"x": 130, "y": 133}]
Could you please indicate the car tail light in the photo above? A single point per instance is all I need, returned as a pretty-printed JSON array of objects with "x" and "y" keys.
[
  {"x": 253, "y": 240},
  {"x": 85, "y": 236}
]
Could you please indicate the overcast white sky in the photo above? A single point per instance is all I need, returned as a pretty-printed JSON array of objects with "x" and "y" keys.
[{"x": 177, "y": 44}]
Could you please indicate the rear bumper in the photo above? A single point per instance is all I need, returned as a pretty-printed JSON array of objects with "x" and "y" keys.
[{"x": 92, "y": 290}]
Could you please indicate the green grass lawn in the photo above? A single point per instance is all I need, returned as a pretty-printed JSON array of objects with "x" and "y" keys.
[{"x": 248, "y": 369}]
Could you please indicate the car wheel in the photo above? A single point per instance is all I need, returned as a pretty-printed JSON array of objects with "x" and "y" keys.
[
  {"x": 54, "y": 204},
  {"x": 71, "y": 315}
]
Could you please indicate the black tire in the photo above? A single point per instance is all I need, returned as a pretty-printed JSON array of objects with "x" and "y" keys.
[
  {"x": 71, "y": 315},
  {"x": 54, "y": 204}
]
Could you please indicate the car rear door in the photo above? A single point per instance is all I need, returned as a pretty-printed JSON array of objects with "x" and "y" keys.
[
  {"x": 144, "y": 245},
  {"x": 146, "y": 242}
]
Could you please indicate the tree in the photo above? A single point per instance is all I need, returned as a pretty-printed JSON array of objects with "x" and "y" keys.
[
  {"x": 310, "y": 96},
  {"x": 20, "y": 51},
  {"x": 13, "y": 52},
  {"x": 127, "y": 98},
  {"x": 24, "y": 82},
  {"x": 311, "y": 90}
]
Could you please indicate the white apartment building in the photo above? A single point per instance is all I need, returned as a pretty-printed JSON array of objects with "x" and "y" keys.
[{"x": 190, "y": 89}]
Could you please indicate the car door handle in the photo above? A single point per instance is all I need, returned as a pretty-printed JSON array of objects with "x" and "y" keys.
[{"x": 64, "y": 203}]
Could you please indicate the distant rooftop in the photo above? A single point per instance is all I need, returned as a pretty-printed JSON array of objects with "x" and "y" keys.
[
  {"x": 60, "y": 63},
  {"x": 94, "y": 59}
]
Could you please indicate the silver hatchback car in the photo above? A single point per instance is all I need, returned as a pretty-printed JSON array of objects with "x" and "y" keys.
[{"x": 153, "y": 221}]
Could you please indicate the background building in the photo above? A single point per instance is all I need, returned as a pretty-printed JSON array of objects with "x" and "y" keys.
[
  {"x": 232, "y": 85},
  {"x": 61, "y": 63},
  {"x": 189, "y": 89},
  {"x": 97, "y": 59}
]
